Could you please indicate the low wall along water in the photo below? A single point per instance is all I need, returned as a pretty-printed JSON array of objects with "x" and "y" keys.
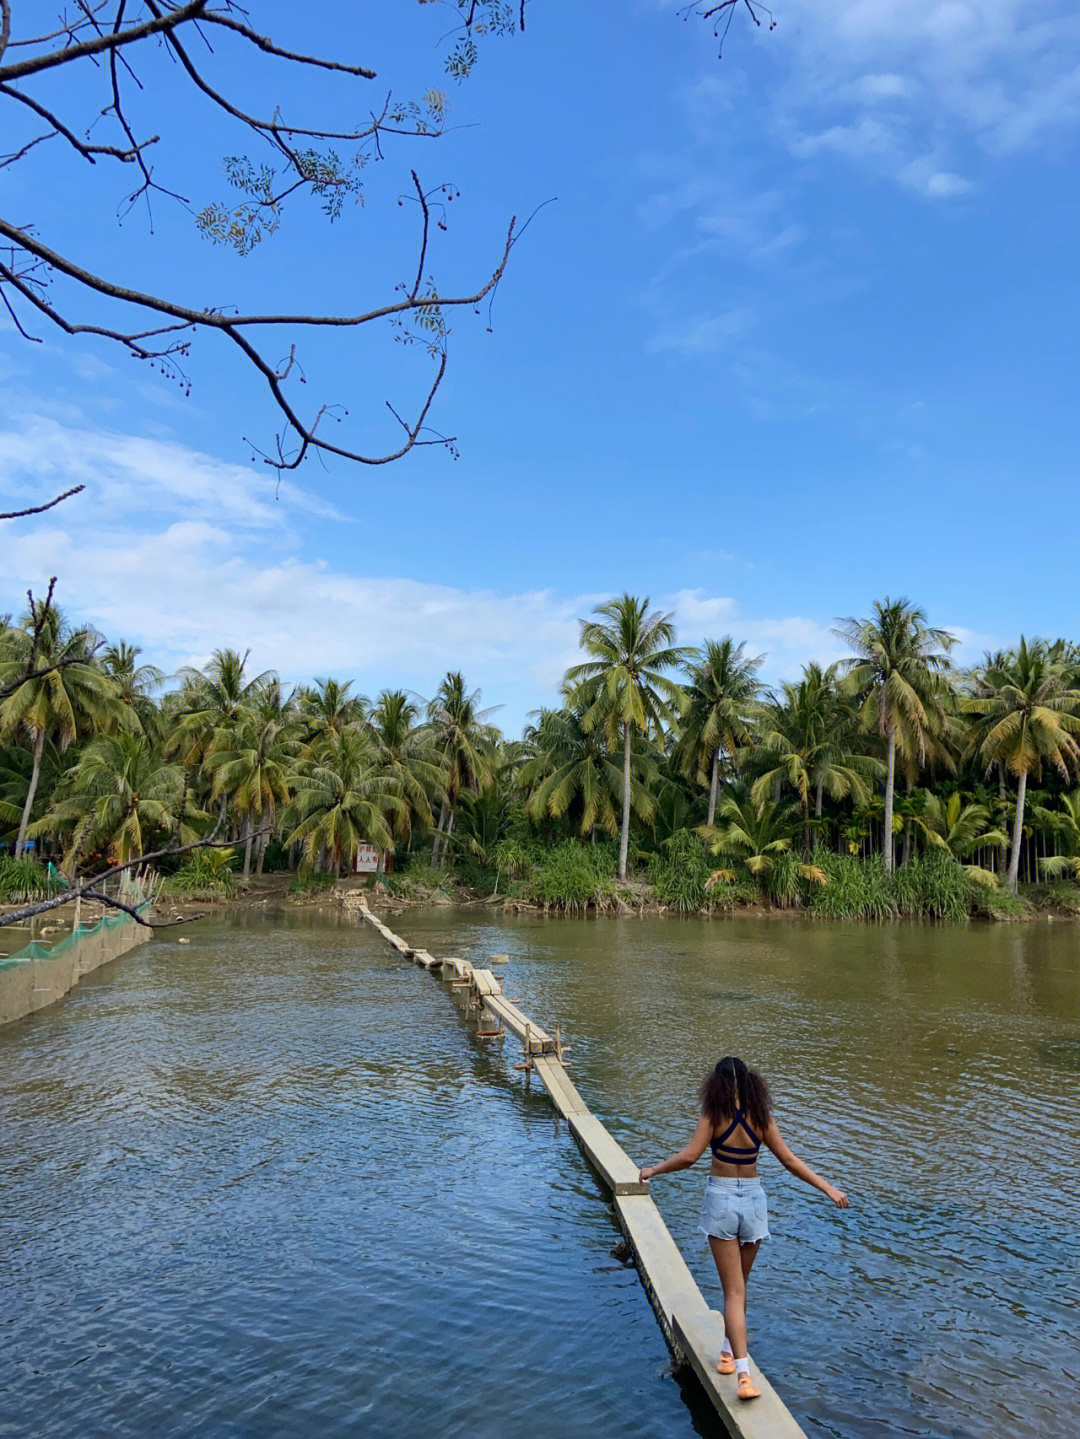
[{"x": 40, "y": 974}]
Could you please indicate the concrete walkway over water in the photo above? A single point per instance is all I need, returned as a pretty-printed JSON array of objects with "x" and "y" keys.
[{"x": 692, "y": 1329}]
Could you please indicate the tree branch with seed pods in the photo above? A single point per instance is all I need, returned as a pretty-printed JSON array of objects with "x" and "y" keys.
[{"x": 45, "y": 283}]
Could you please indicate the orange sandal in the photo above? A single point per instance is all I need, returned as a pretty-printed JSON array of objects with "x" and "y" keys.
[
  {"x": 746, "y": 1388},
  {"x": 725, "y": 1364}
]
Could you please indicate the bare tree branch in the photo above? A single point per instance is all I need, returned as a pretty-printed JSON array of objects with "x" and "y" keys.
[
  {"x": 40, "y": 510},
  {"x": 108, "y": 34},
  {"x": 68, "y": 896},
  {"x": 158, "y": 24}
]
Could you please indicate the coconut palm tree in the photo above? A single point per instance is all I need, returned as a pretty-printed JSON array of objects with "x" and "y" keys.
[
  {"x": 407, "y": 751},
  {"x": 118, "y": 797},
  {"x": 623, "y": 684},
  {"x": 1064, "y": 825},
  {"x": 1028, "y": 715},
  {"x": 135, "y": 685},
  {"x": 805, "y": 731},
  {"x": 721, "y": 699},
  {"x": 328, "y": 708},
  {"x": 251, "y": 762},
  {"x": 571, "y": 771},
  {"x": 74, "y": 697},
  {"x": 343, "y": 799},
  {"x": 465, "y": 742},
  {"x": 756, "y": 833},
  {"x": 900, "y": 673}
]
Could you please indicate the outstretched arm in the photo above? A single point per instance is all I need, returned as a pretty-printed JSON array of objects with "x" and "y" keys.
[
  {"x": 690, "y": 1153},
  {"x": 794, "y": 1165}
]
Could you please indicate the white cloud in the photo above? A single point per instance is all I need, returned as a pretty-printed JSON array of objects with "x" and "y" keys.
[
  {"x": 203, "y": 560},
  {"x": 702, "y": 334},
  {"x": 926, "y": 179}
]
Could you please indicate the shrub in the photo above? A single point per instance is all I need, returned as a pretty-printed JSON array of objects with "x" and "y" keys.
[
  {"x": 208, "y": 874},
  {"x": 856, "y": 888},
  {"x": 23, "y": 880},
  {"x": 573, "y": 876},
  {"x": 680, "y": 870},
  {"x": 310, "y": 881}
]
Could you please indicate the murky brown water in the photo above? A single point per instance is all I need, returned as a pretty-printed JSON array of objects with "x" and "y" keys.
[
  {"x": 931, "y": 1071},
  {"x": 266, "y": 1184}
]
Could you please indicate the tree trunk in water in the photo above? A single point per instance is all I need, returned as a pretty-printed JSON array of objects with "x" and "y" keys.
[
  {"x": 625, "y": 838},
  {"x": 890, "y": 785},
  {"x": 35, "y": 775},
  {"x": 714, "y": 785},
  {"x": 247, "y": 849},
  {"x": 1018, "y": 833}
]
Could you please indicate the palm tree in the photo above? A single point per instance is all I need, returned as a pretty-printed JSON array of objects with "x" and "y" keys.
[
  {"x": 756, "y": 833},
  {"x": 121, "y": 793},
  {"x": 344, "y": 799},
  {"x": 75, "y": 696},
  {"x": 328, "y": 708},
  {"x": 570, "y": 769},
  {"x": 720, "y": 700},
  {"x": 900, "y": 673},
  {"x": 1027, "y": 715},
  {"x": 135, "y": 684},
  {"x": 1064, "y": 825},
  {"x": 623, "y": 684},
  {"x": 958, "y": 828},
  {"x": 805, "y": 730},
  {"x": 251, "y": 762},
  {"x": 466, "y": 745},
  {"x": 211, "y": 703},
  {"x": 407, "y": 751}
]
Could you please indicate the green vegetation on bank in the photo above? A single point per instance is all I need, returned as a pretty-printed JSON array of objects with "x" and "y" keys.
[{"x": 890, "y": 785}]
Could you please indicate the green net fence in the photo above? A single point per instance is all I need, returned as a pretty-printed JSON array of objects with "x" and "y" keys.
[{"x": 36, "y": 950}]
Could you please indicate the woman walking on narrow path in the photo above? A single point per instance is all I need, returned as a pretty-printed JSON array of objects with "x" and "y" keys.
[{"x": 736, "y": 1120}]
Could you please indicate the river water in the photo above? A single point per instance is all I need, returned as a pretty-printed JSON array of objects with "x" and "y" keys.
[{"x": 266, "y": 1184}]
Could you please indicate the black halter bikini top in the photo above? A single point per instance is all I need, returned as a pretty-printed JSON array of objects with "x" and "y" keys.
[{"x": 732, "y": 1154}]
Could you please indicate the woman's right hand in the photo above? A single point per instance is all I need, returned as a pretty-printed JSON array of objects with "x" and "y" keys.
[
  {"x": 644, "y": 1175},
  {"x": 838, "y": 1197}
]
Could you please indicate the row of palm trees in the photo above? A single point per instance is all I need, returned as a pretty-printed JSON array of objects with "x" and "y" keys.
[{"x": 895, "y": 746}]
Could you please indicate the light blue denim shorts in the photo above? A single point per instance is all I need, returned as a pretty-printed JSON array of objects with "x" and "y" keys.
[{"x": 735, "y": 1209}]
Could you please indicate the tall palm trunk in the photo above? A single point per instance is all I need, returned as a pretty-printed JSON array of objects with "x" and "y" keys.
[
  {"x": 1003, "y": 852},
  {"x": 625, "y": 837},
  {"x": 443, "y": 812},
  {"x": 907, "y": 827},
  {"x": 817, "y": 811},
  {"x": 804, "y": 805},
  {"x": 890, "y": 785},
  {"x": 247, "y": 848},
  {"x": 1018, "y": 833},
  {"x": 35, "y": 775},
  {"x": 714, "y": 784}
]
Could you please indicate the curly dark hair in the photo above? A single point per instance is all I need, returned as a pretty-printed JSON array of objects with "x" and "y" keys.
[{"x": 730, "y": 1082}]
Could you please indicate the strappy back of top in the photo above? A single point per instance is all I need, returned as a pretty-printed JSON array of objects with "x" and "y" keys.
[{"x": 732, "y": 1153}]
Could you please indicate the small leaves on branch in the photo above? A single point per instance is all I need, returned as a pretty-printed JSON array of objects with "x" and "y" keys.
[{"x": 120, "y": 39}]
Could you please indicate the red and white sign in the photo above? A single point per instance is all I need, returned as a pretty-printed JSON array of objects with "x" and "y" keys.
[{"x": 369, "y": 860}]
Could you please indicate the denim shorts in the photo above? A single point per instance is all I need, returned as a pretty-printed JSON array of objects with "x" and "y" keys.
[{"x": 735, "y": 1209}]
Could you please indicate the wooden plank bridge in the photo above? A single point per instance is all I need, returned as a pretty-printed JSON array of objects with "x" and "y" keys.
[{"x": 693, "y": 1330}]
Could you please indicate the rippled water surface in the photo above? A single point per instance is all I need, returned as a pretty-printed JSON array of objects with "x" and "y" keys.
[{"x": 267, "y": 1184}]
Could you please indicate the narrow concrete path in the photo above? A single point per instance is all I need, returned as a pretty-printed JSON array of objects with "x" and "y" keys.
[{"x": 693, "y": 1330}]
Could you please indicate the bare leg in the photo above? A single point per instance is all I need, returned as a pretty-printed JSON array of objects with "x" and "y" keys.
[
  {"x": 725, "y": 1253},
  {"x": 747, "y": 1254}
]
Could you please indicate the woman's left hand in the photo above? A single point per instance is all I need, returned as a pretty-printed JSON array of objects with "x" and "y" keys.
[{"x": 644, "y": 1175}]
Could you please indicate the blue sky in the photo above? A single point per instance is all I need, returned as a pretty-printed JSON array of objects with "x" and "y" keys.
[{"x": 799, "y": 331}]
